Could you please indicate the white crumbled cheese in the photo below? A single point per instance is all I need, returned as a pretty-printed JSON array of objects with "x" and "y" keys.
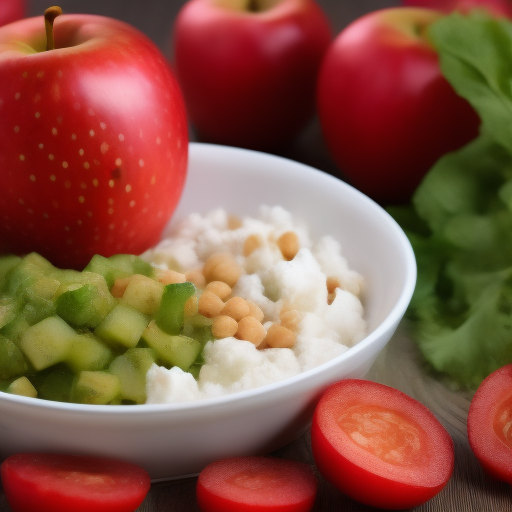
[{"x": 327, "y": 328}]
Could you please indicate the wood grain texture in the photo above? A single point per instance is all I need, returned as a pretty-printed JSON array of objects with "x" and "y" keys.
[{"x": 399, "y": 365}]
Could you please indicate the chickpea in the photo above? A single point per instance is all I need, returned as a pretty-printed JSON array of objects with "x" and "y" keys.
[
  {"x": 263, "y": 344},
  {"x": 332, "y": 283},
  {"x": 196, "y": 277},
  {"x": 250, "y": 329},
  {"x": 255, "y": 311},
  {"x": 220, "y": 289},
  {"x": 224, "y": 326},
  {"x": 252, "y": 242},
  {"x": 214, "y": 260},
  {"x": 227, "y": 272},
  {"x": 279, "y": 337},
  {"x": 170, "y": 277},
  {"x": 191, "y": 306},
  {"x": 209, "y": 305},
  {"x": 236, "y": 308},
  {"x": 222, "y": 267},
  {"x": 288, "y": 244},
  {"x": 290, "y": 318}
]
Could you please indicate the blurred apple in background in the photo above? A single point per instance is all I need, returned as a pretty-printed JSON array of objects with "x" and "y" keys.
[
  {"x": 498, "y": 8},
  {"x": 386, "y": 111},
  {"x": 11, "y": 10},
  {"x": 248, "y": 68},
  {"x": 93, "y": 139}
]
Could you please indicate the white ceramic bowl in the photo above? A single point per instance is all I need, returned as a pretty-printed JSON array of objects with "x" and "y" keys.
[{"x": 180, "y": 439}]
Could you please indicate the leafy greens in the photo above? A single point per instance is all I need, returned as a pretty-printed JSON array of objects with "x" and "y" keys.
[{"x": 460, "y": 220}]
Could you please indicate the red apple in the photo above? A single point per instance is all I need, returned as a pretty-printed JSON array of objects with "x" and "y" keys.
[
  {"x": 498, "y": 8},
  {"x": 11, "y": 10},
  {"x": 93, "y": 139},
  {"x": 386, "y": 111},
  {"x": 248, "y": 68}
]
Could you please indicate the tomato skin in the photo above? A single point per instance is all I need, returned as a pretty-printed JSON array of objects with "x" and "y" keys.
[
  {"x": 218, "y": 489},
  {"x": 68, "y": 483},
  {"x": 492, "y": 402},
  {"x": 363, "y": 475}
]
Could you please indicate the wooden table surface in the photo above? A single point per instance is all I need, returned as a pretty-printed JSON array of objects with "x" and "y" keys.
[{"x": 399, "y": 365}]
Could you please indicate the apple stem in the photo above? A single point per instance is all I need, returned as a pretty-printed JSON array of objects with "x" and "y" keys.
[
  {"x": 253, "y": 6},
  {"x": 49, "y": 16}
]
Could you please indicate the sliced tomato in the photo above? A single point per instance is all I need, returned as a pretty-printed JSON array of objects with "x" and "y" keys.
[
  {"x": 490, "y": 424},
  {"x": 380, "y": 446},
  {"x": 256, "y": 484},
  {"x": 68, "y": 483}
]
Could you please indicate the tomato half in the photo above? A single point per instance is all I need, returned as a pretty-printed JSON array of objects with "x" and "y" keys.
[
  {"x": 68, "y": 483},
  {"x": 256, "y": 484},
  {"x": 490, "y": 424},
  {"x": 380, "y": 446}
]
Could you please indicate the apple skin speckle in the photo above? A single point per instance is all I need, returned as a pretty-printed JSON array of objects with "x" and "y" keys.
[{"x": 104, "y": 96}]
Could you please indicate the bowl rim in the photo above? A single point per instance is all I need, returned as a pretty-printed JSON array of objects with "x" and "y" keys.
[{"x": 393, "y": 317}]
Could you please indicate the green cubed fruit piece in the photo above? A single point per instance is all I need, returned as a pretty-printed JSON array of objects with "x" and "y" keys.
[
  {"x": 133, "y": 264},
  {"x": 84, "y": 306},
  {"x": 9, "y": 308},
  {"x": 30, "y": 269},
  {"x": 122, "y": 327},
  {"x": 47, "y": 342},
  {"x": 7, "y": 262},
  {"x": 96, "y": 298},
  {"x": 12, "y": 361},
  {"x": 106, "y": 268},
  {"x": 39, "y": 261},
  {"x": 15, "y": 328},
  {"x": 131, "y": 369},
  {"x": 66, "y": 275},
  {"x": 171, "y": 314},
  {"x": 199, "y": 328},
  {"x": 203, "y": 334},
  {"x": 199, "y": 320},
  {"x": 37, "y": 309},
  {"x": 22, "y": 386},
  {"x": 194, "y": 370},
  {"x": 96, "y": 387},
  {"x": 70, "y": 279},
  {"x": 173, "y": 350},
  {"x": 45, "y": 288},
  {"x": 87, "y": 352},
  {"x": 21, "y": 277},
  {"x": 56, "y": 384},
  {"x": 144, "y": 294}
]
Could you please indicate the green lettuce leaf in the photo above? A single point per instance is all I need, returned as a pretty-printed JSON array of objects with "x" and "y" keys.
[
  {"x": 460, "y": 219},
  {"x": 475, "y": 55}
]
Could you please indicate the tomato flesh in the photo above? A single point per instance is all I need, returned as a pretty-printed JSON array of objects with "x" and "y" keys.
[
  {"x": 384, "y": 433},
  {"x": 503, "y": 422},
  {"x": 490, "y": 424},
  {"x": 67, "y": 483},
  {"x": 255, "y": 484},
  {"x": 380, "y": 446}
]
